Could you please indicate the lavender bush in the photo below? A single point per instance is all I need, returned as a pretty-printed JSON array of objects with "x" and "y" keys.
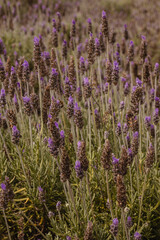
[{"x": 79, "y": 120}]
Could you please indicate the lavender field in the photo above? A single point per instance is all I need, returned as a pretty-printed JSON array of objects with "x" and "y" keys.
[{"x": 79, "y": 120}]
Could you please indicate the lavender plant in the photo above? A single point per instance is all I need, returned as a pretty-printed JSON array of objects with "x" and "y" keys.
[{"x": 79, "y": 124}]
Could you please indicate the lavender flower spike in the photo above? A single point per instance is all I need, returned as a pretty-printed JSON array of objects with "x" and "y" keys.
[
  {"x": 137, "y": 236},
  {"x": 79, "y": 170}
]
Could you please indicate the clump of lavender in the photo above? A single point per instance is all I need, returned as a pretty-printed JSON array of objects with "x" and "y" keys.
[
  {"x": 37, "y": 51},
  {"x": 114, "y": 227},
  {"x": 115, "y": 73},
  {"x": 58, "y": 206},
  {"x": 27, "y": 105},
  {"x": 87, "y": 88},
  {"x": 79, "y": 170},
  {"x": 118, "y": 129},
  {"x": 81, "y": 155},
  {"x": 78, "y": 118},
  {"x": 41, "y": 195},
  {"x": 6, "y": 193},
  {"x": 2, "y": 98},
  {"x": 150, "y": 156},
  {"x": 131, "y": 51},
  {"x": 2, "y": 72},
  {"x": 104, "y": 20},
  {"x": 53, "y": 148},
  {"x": 70, "y": 107},
  {"x": 135, "y": 143},
  {"x": 106, "y": 156},
  {"x": 65, "y": 165},
  {"x": 129, "y": 222},
  {"x": 15, "y": 135},
  {"x": 121, "y": 192}
]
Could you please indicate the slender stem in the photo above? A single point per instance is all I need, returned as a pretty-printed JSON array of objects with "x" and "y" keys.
[
  {"x": 143, "y": 190},
  {"x": 124, "y": 223},
  {"x": 130, "y": 174},
  {"x": 22, "y": 164},
  {"x": 72, "y": 199},
  {"x": 40, "y": 98},
  {"x": 89, "y": 126},
  {"x": 4, "y": 215},
  {"x": 109, "y": 196},
  {"x": 30, "y": 131},
  {"x": 6, "y": 149}
]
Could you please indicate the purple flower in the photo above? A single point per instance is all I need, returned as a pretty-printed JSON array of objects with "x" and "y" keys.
[
  {"x": 114, "y": 227},
  {"x": 25, "y": 65},
  {"x": 58, "y": 206},
  {"x": 68, "y": 238},
  {"x": 81, "y": 59},
  {"x": 89, "y": 20},
  {"x": 62, "y": 134},
  {"x": 79, "y": 144},
  {"x": 137, "y": 236},
  {"x": 76, "y": 107},
  {"x": 157, "y": 65},
  {"x": 135, "y": 135},
  {"x": 129, "y": 222},
  {"x": 116, "y": 66},
  {"x": 115, "y": 160},
  {"x": 78, "y": 169},
  {"x": 46, "y": 55},
  {"x": 157, "y": 99},
  {"x": 64, "y": 42},
  {"x": 73, "y": 22},
  {"x": 66, "y": 80},
  {"x": 131, "y": 43},
  {"x": 3, "y": 186},
  {"x": 70, "y": 100},
  {"x": 3, "y": 92},
  {"x": 79, "y": 47},
  {"x": 1, "y": 63},
  {"x": 104, "y": 14},
  {"x": 56, "y": 124},
  {"x": 15, "y": 131},
  {"x": 26, "y": 99},
  {"x": 97, "y": 41},
  {"x": 96, "y": 112},
  {"x": 40, "y": 189},
  {"x": 152, "y": 91},
  {"x": 147, "y": 121},
  {"x": 139, "y": 82},
  {"x": 36, "y": 40},
  {"x": 54, "y": 30},
  {"x": 15, "y": 99},
  {"x": 86, "y": 81},
  {"x": 143, "y": 38},
  {"x": 109, "y": 100},
  {"x": 54, "y": 72},
  {"x": 12, "y": 70},
  {"x": 115, "y": 221}
]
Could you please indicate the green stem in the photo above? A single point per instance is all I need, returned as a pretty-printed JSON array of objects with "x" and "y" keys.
[
  {"x": 40, "y": 99},
  {"x": 4, "y": 215},
  {"x": 30, "y": 131},
  {"x": 143, "y": 190},
  {"x": 124, "y": 223},
  {"x": 109, "y": 196},
  {"x": 22, "y": 164}
]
